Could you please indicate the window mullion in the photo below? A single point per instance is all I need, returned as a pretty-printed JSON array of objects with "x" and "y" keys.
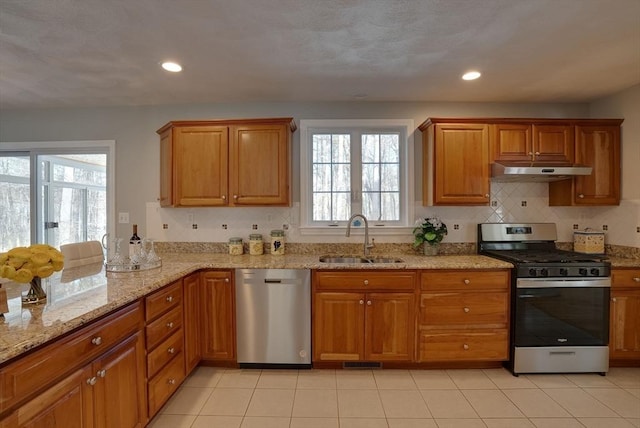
[{"x": 356, "y": 172}]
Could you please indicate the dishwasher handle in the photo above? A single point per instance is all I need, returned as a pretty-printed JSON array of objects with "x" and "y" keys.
[{"x": 272, "y": 281}]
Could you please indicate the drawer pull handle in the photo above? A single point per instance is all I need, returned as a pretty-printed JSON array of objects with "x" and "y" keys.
[
  {"x": 636, "y": 278},
  {"x": 169, "y": 299},
  {"x": 92, "y": 381},
  {"x": 466, "y": 281},
  {"x": 170, "y": 325},
  {"x": 465, "y": 346},
  {"x": 171, "y": 381},
  {"x": 366, "y": 282},
  {"x": 466, "y": 310},
  {"x": 171, "y": 350},
  {"x": 101, "y": 373},
  {"x": 97, "y": 340}
]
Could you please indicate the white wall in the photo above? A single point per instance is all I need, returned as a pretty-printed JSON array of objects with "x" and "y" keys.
[{"x": 137, "y": 157}]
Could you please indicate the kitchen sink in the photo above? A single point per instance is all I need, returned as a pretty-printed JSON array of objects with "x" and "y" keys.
[{"x": 356, "y": 259}]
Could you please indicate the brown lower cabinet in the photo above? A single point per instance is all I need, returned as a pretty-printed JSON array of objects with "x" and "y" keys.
[
  {"x": 94, "y": 377},
  {"x": 624, "y": 336},
  {"x": 218, "y": 317},
  {"x": 370, "y": 319}
]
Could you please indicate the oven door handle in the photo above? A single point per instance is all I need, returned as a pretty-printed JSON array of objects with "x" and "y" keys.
[{"x": 562, "y": 283}]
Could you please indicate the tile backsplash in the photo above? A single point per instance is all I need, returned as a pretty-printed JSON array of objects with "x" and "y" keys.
[{"x": 510, "y": 202}]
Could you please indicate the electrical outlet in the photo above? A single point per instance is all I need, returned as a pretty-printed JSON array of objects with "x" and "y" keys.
[{"x": 123, "y": 218}]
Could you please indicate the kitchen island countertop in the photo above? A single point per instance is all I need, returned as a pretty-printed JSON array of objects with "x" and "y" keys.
[{"x": 81, "y": 295}]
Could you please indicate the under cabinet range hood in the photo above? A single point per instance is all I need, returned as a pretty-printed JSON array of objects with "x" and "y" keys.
[{"x": 535, "y": 171}]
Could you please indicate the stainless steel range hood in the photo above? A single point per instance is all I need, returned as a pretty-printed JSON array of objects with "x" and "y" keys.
[{"x": 534, "y": 171}]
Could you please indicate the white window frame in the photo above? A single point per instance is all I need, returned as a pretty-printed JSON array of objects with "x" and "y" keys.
[
  {"x": 54, "y": 147},
  {"x": 406, "y": 127}
]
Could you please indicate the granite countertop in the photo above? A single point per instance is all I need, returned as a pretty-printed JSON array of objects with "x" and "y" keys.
[{"x": 78, "y": 296}]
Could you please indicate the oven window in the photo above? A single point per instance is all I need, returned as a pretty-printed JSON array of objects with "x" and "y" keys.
[{"x": 577, "y": 316}]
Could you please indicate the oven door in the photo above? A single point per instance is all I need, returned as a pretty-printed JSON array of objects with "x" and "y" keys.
[{"x": 561, "y": 312}]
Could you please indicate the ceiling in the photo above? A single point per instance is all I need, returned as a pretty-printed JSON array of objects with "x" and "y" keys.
[{"x": 71, "y": 53}]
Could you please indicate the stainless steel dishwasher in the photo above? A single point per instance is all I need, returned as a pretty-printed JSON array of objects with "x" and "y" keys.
[{"x": 273, "y": 318}]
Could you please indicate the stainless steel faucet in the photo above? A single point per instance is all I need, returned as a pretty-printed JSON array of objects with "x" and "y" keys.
[{"x": 367, "y": 246}]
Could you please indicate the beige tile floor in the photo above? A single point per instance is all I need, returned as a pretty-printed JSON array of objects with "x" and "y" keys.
[{"x": 232, "y": 398}]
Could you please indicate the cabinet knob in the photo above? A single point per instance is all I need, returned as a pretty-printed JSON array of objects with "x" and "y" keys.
[
  {"x": 97, "y": 340},
  {"x": 171, "y": 350},
  {"x": 466, "y": 281},
  {"x": 92, "y": 381},
  {"x": 530, "y": 153},
  {"x": 169, "y": 299},
  {"x": 636, "y": 278},
  {"x": 368, "y": 302},
  {"x": 361, "y": 302},
  {"x": 224, "y": 198},
  {"x": 613, "y": 299},
  {"x": 486, "y": 195},
  {"x": 170, "y": 325},
  {"x": 101, "y": 373},
  {"x": 466, "y": 310},
  {"x": 235, "y": 196},
  {"x": 537, "y": 153},
  {"x": 366, "y": 282},
  {"x": 465, "y": 346},
  {"x": 226, "y": 280},
  {"x": 171, "y": 381},
  {"x": 581, "y": 196}
]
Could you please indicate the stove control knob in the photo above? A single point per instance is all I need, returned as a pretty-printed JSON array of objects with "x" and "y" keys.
[
  {"x": 564, "y": 271},
  {"x": 595, "y": 271},
  {"x": 583, "y": 271},
  {"x": 533, "y": 272},
  {"x": 544, "y": 272}
]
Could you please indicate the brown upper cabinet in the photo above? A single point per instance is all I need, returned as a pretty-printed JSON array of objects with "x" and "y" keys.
[
  {"x": 240, "y": 162},
  {"x": 521, "y": 142},
  {"x": 457, "y": 153},
  {"x": 455, "y": 162}
]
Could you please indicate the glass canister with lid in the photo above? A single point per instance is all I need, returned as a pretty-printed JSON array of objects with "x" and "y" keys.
[
  {"x": 235, "y": 246},
  {"x": 256, "y": 245},
  {"x": 277, "y": 242}
]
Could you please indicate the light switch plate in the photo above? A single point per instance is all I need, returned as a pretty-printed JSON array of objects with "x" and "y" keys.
[{"x": 123, "y": 218}]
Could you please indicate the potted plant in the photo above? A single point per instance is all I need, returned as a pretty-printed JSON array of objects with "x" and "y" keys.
[{"x": 428, "y": 233}]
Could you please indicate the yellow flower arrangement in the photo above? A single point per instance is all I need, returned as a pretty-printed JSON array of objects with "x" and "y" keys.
[{"x": 22, "y": 264}]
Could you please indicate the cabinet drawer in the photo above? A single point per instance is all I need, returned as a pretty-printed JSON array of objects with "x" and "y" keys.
[
  {"x": 168, "y": 349},
  {"x": 36, "y": 371},
  {"x": 490, "y": 345},
  {"x": 458, "y": 310},
  {"x": 625, "y": 278},
  {"x": 163, "y": 327},
  {"x": 165, "y": 383},
  {"x": 464, "y": 280},
  {"x": 365, "y": 280},
  {"x": 163, "y": 300}
]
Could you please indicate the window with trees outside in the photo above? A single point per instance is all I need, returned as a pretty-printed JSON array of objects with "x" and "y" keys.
[
  {"x": 53, "y": 196},
  {"x": 355, "y": 167}
]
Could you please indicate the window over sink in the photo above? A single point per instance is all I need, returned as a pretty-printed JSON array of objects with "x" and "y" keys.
[{"x": 355, "y": 166}]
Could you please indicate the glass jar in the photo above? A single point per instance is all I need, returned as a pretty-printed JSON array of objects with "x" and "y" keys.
[
  {"x": 235, "y": 246},
  {"x": 277, "y": 242},
  {"x": 256, "y": 246}
]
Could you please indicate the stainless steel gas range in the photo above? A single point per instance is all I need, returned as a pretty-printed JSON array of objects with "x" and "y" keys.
[{"x": 559, "y": 300}]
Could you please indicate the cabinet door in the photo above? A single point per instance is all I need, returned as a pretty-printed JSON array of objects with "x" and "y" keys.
[
  {"x": 599, "y": 148},
  {"x": 218, "y": 316},
  {"x": 511, "y": 142},
  {"x": 624, "y": 340},
  {"x": 461, "y": 164},
  {"x": 338, "y": 327},
  {"x": 191, "y": 325},
  {"x": 120, "y": 392},
  {"x": 390, "y": 326},
  {"x": 166, "y": 169},
  {"x": 259, "y": 164},
  {"x": 69, "y": 404},
  {"x": 553, "y": 143},
  {"x": 200, "y": 161}
]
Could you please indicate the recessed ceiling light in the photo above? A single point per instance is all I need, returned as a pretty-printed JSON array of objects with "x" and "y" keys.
[
  {"x": 174, "y": 67},
  {"x": 471, "y": 75}
]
